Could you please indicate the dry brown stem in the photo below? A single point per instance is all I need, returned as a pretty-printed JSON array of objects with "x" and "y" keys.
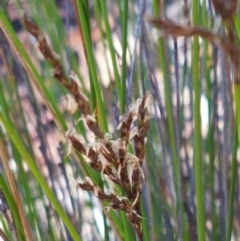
[
  {"x": 58, "y": 72},
  {"x": 176, "y": 30},
  {"x": 225, "y": 9}
]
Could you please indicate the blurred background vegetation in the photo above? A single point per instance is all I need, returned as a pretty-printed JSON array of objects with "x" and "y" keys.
[{"x": 191, "y": 166}]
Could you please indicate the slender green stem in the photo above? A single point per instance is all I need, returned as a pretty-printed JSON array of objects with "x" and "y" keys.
[
  {"x": 13, "y": 208},
  {"x": 124, "y": 54},
  {"x": 171, "y": 130},
  {"x": 211, "y": 151},
  {"x": 16, "y": 196},
  {"x": 237, "y": 25},
  {"x": 111, "y": 47},
  {"x": 145, "y": 223},
  {"x": 25, "y": 155},
  {"x": 93, "y": 68},
  {"x": 210, "y": 140},
  {"x": 234, "y": 160},
  {"x": 232, "y": 184},
  {"x": 197, "y": 129},
  {"x": 127, "y": 229},
  {"x": 92, "y": 89},
  {"x": 35, "y": 78},
  {"x": 31, "y": 70},
  {"x": 168, "y": 102}
]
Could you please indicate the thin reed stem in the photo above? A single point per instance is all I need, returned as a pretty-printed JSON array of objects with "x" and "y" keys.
[
  {"x": 197, "y": 128},
  {"x": 15, "y": 193}
]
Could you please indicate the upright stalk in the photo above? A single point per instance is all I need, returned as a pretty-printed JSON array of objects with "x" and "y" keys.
[
  {"x": 197, "y": 128},
  {"x": 124, "y": 54},
  {"x": 234, "y": 160},
  {"x": 93, "y": 68},
  {"x": 171, "y": 130},
  {"x": 32, "y": 166},
  {"x": 111, "y": 47}
]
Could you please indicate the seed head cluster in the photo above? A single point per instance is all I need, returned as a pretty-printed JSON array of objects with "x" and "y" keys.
[
  {"x": 115, "y": 163},
  {"x": 110, "y": 157}
]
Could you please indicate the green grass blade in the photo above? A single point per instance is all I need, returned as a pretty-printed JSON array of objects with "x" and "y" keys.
[
  {"x": 234, "y": 160},
  {"x": 171, "y": 131},
  {"x": 25, "y": 155},
  {"x": 31, "y": 70},
  {"x": 111, "y": 47},
  {"x": 197, "y": 129},
  {"x": 13, "y": 208},
  {"x": 232, "y": 184},
  {"x": 128, "y": 234},
  {"x": 124, "y": 54},
  {"x": 93, "y": 68}
]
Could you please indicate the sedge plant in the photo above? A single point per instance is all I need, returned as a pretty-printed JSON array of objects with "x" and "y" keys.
[{"x": 162, "y": 168}]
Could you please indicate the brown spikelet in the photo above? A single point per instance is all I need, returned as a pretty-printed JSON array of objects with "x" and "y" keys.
[
  {"x": 175, "y": 30},
  {"x": 226, "y": 9},
  {"x": 109, "y": 157}
]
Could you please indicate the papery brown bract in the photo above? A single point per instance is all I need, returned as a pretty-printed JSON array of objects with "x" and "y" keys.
[{"x": 225, "y": 8}]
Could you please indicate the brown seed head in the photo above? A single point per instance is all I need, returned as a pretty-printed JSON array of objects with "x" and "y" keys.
[{"x": 225, "y": 8}]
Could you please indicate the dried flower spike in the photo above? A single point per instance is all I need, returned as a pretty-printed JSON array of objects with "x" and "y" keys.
[
  {"x": 226, "y": 9},
  {"x": 109, "y": 157}
]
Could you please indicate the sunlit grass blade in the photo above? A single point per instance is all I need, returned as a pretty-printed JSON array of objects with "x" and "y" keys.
[
  {"x": 31, "y": 70},
  {"x": 197, "y": 129},
  {"x": 17, "y": 141},
  {"x": 111, "y": 48},
  {"x": 15, "y": 193},
  {"x": 162, "y": 51},
  {"x": 93, "y": 69},
  {"x": 232, "y": 183},
  {"x": 234, "y": 160},
  {"x": 124, "y": 54},
  {"x": 13, "y": 208}
]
